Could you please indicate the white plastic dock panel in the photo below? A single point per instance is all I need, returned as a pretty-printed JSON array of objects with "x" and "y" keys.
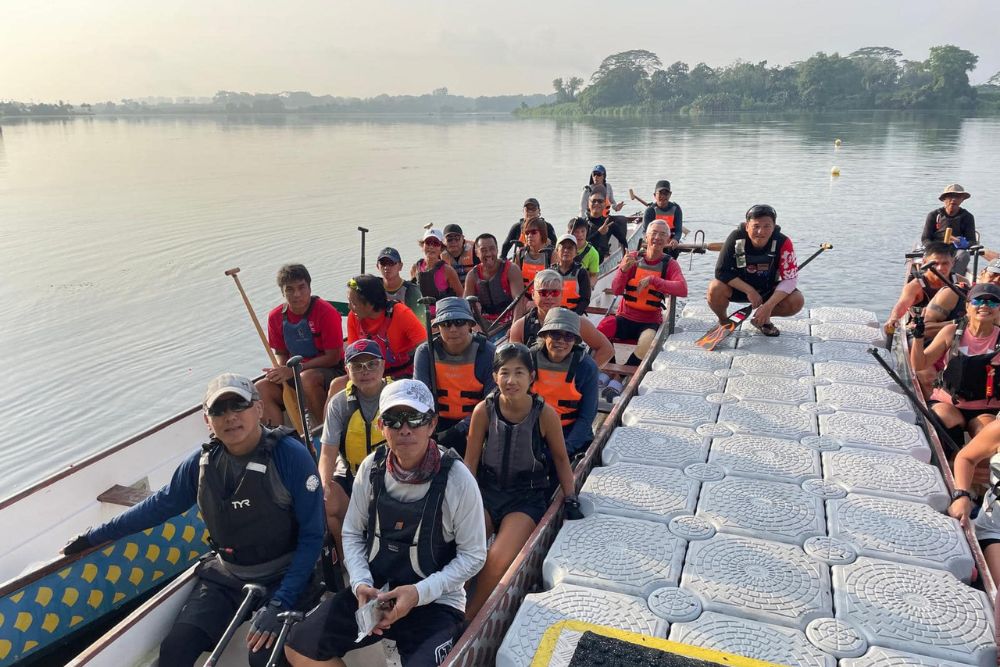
[
  {"x": 901, "y": 531},
  {"x": 671, "y": 409},
  {"x": 794, "y": 326},
  {"x": 698, "y": 309},
  {"x": 758, "y": 579},
  {"x": 770, "y": 388},
  {"x": 765, "y": 509},
  {"x": 655, "y": 444},
  {"x": 651, "y": 493},
  {"x": 772, "y": 643},
  {"x": 785, "y": 346},
  {"x": 615, "y": 553},
  {"x": 917, "y": 609},
  {"x": 683, "y": 340},
  {"x": 884, "y": 657},
  {"x": 856, "y": 333},
  {"x": 835, "y": 350},
  {"x": 852, "y": 373},
  {"x": 770, "y": 419},
  {"x": 700, "y": 324},
  {"x": 876, "y": 432},
  {"x": 761, "y": 457},
  {"x": 681, "y": 381},
  {"x": 844, "y": 315},
  {"x": 772, "y": 364},
  {"x": 696, "y": 359},
  {"x": 889, "y": 475},
  {"x": 871, "y": 400},
  {"x": 566, "y": 602}
]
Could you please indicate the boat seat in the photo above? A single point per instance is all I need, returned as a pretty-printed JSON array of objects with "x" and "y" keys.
[{"x": 126, "y": 496}]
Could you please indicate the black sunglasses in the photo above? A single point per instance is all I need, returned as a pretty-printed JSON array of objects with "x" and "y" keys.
[
  {"x": 220, "y": 408},
  {"x": 396, "y": 421},
  {"x": 555, "y": 334}
]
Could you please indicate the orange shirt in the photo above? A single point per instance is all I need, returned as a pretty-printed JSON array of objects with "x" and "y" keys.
[{"x": 404, "y": 334}]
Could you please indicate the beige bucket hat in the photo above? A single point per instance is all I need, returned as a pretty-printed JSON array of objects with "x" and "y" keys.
[{"x": 954, "y": 189}]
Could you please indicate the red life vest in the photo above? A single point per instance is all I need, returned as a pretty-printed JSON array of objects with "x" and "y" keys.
[{"x": 646, "y": 298}]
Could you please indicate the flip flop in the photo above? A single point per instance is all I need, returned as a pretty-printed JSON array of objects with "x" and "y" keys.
[{"x": 768, "y": 329}]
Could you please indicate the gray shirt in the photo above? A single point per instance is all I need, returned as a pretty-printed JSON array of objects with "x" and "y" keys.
[
  {"x": 462, "y": 522},
  {"x": 338, "y": 414}
]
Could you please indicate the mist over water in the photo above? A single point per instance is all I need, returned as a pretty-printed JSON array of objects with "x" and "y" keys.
[{"x": 115, "y": 233}]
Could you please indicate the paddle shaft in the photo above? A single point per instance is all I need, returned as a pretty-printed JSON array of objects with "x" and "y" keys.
[
  {"x": 822, "y": 247},
  {"x": 287, "y": 393},
  {"x": 252, "y": 591},
  {"x": 295, "y": 363},
  {"x": 947, "y": 281},
  {"x": 633, "y": 195},
  {"x": 928, "y": 414},
  {"x": 497, "y": 323},
  {"x": 429, "y": 301},
  {"x": 364, "y": 231},
  {"x": 288, "y": 618}
]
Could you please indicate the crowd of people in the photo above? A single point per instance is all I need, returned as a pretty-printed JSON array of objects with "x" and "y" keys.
[{"x": 442, "y": 442}]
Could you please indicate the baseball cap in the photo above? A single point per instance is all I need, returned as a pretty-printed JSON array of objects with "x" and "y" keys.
[
  {"x": 531, "y": 201},
  {"x": 662, "y": 185},
  {"x": 230, "y": 383},
  {"x": 453, "y": 308},
  {"x": 412, "y": 394},
  {"x": 392, "y": 254},
  {"x": 994, "y": 266},
  {"x": 599, "y": 168},
  {"x": 567, "y": 237},
  {"x": 452, "y": 229},
  {"x": 360, "y": 347},
  {"x": 984, "y": 289},
  {"x": 433, "y": 233}
]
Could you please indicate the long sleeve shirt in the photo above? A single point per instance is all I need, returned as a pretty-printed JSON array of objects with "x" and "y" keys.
[
  {"x": 674, "y": 209},
  {"x": 514, "y": 241},
  {"x": 963, "y": 224},
  {"x": 295, "y": 467},
  {"x": 461, "y": 522},
  {"x": 673, "y": 285},
  {"x": 581, "y": 431}
]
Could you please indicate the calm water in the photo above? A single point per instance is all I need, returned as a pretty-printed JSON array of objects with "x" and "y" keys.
[{"x": 114, "y": 234}]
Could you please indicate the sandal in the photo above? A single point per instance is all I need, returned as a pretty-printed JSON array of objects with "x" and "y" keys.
[{"x": 768, "y": 329}]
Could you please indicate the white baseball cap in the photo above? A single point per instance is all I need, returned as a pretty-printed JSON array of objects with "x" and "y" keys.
[
  {"x": 410, "y": 393},
  {"x": 230, "y": 383}
]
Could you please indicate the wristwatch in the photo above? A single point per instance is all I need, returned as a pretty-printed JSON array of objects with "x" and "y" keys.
[{"x": 960, "y": 493}]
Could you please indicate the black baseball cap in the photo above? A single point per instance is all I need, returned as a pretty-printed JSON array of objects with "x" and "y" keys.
[
  {"x": 391, "y": 253},
  {"x": 662, "y": 185},
  {"x": 452, "y": 229},
  {"x": 531, "y": 201}
]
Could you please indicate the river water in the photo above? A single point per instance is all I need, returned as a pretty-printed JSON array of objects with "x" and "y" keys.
[{"x": 115, "y": 233}]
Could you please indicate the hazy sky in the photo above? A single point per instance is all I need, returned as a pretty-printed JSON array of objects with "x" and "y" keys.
[{"x": 95, "y": 50}]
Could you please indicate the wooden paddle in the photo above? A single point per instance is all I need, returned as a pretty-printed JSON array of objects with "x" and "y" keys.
[{"x": 287, "y": 393}]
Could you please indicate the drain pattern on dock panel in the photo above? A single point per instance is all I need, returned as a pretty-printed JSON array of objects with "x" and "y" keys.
[
  {"x": 761, "y": 457},
  {"x": 656, "y": 444}
]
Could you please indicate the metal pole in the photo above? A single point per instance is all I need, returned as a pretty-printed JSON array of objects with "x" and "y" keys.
[{"x": 363, "y": 230}]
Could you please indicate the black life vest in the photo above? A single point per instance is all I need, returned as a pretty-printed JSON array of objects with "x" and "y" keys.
[
  {"x": 427, "y": 284},
  {"x": 253, "y": 529},
  {"x": 531, "y": 327},
  {"x": 299, "y": 338},
  {"x": 405, "y": 540},
  {"x": 969, "y": 377},
  {"x": 494, "y": 293},
  {"x": 759, "y": 266},
  {"x": 513, "y": 457}
]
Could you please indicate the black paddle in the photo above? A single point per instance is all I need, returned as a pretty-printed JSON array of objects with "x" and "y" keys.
[
  {"x": 947, "y": 281},
  {"x": 251, "y": 591},
  {"x": 288, "y": 619},
  {"x": 498, "y": 323},
  {"x": 295, "y": 363},
  {"x": 363, "y": 230},
  {"x": 429, "y": 301}
]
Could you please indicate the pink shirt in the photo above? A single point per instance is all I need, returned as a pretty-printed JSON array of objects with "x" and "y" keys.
[{"x": 971, "y": 346}]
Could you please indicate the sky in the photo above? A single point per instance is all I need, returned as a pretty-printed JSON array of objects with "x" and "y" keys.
[{"x": 97, "y": 50}]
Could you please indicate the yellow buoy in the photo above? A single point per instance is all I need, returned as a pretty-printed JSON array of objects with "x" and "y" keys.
[
  {"x": 836, "y": 142},
  {"x": 835, "y": 171}
]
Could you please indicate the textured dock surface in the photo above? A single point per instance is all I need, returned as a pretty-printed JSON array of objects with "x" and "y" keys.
[{"x": 771, "y": 499}]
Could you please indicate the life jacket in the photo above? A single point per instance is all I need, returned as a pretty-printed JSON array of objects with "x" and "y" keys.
[
  {"x": 570, "y": 285},
  {"x": 759, "y": 266},
  {"x": 647, "y": 298},
  {"x": 402, "y": 294},
  {"x": 583, "y": 253},
  {"x": 970, "y": 377},
  {"x": 361, "y": 436},
  {"x": 513, "y": 457},
  {"x": 253, "y": 528},
  {"x": 667, "y": 216},
  {"x": 458, "y": 389},
  {"x": 928, "y": 292},
  {"x": 530, "y": 266},
  {"x": 494, "y": 294},
  {"x": 433, "y": 282},
  {"x": 555, "y": 382},
  {"x": 299, "y": 338},
  {"x": 397, "y": 364},
  {"x": 531, "y": 327},
  {"x": 405, "y": 540},
  {"x": 463, "y": 262}
]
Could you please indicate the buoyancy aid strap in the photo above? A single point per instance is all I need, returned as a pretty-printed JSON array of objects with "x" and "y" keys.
[
  {"x": 312, "y": 300},
  {"x": 431, "y": 523}
]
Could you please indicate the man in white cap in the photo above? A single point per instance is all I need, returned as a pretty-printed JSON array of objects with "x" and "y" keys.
[
  {"x": 954, "y": 222},
  {"x": 260, "y": 496},
  {"x": 576, "y": 280},
  {"x": 413, "y": 536}
]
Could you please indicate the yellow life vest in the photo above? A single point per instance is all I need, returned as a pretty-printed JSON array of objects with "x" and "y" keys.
[{"x": 361, "y": 436}]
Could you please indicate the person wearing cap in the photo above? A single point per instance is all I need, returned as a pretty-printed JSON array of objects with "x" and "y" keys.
[
  {"x": 494, "y": 281},
  {"x": 515, "y": 443},
  {"x": 967, "y": 393},
  {"x": 586, "y": 254},
  {"x": 536, "y": 254},
  {"x": 392, "y": 325},
  {"x": 567, "y": 378},
  {"x": 546, "y": 296},
  {"x": 435, "y": 277},
  {"x": 458, "y": 251},
  {"x": 667, "y": 211},
  {"x": 948, "y": 305},
  {"x": 757, "y": 265},
  {"x": 602, "y": 225},
  {"x": 390, "y": 265},
  {"x": 259, "y": 494},
  {"x": 599, "y": 179},
  {"x": 307, "y": 326},
  {"x": 922, "y": 293},
  {"x": 644, "y": 281},
  {"x": 955, "y": 222},
  {"x": 350, "y": 432},
  {"x": 532, "y": 210},
  {"x": 462, "y": 361},
  {"x": 414, "y": 527},
  {"x": 576, "y": 280}
]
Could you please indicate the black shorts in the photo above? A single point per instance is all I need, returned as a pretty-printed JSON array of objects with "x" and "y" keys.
[
  {"x": 989, "y": 542},
  {"x": 626, "y": 329},
  {"x": 423, "y": 637},
  {"x": 739, "y": 296},
  {"x": 969, "y": 415},
  {"x": 499, "y": 503},
  {"x": 345, "y": 481}
]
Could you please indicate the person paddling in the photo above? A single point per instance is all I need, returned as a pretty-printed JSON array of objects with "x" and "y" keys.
[
  {"x": 603, "y": 226},
  {"x": 921, "y": 290},
  {"x": 390, "y": 265},
  {"x": 513, "y": 437},
  {"x": 435, "y": 277},
  {"x": 984, "y": 447},
  {"x": 494, "y": 281},
  {"x": 953, "y": 221},
  {"x": 576, "y": 281},
  {"x": 392, "y": 325}
]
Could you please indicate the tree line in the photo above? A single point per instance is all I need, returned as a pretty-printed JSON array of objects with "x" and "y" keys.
[{"x": 873, "y": 77}]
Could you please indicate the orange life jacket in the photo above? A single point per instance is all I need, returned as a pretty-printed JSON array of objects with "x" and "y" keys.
[
  {"x": 458, "y": 390},
  {"x": 463, "y": 263},
  {"x": 667, "y": 218},
  {"x": 529, "y": 266},
  {"x": 570, "y": 286},
  {"x": 646, "y": 298},
  {"x": 556, "y": 383}
]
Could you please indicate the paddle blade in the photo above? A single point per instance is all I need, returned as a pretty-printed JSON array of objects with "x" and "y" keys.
[{"x": 722, "y": 331}]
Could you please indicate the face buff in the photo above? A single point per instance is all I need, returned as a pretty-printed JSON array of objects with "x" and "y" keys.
[{"x": 428, "y": 467}]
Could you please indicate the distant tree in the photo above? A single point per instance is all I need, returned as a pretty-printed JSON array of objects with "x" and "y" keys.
[
  {"x": 994, "y": 80},
  {"x": 636, "y": 60},
  {"x": 439, "y": 92},
  {"x": 573, "y": 86},
  {"x": 880, "y": 52},
  {"x": 880, "y": 68},
  {"x": 827, "y": 79},
  {"x": 949, "y": 67},
  {"x": 561, "y": 94}
]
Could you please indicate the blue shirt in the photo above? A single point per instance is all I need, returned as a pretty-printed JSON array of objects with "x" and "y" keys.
[
  {"x": 581, "y": 432},
  {"x": 483, "y": 368},
  {"x": 294, "y": 465}
]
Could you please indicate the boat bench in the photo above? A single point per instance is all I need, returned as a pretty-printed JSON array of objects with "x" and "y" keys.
[{"x": 126, "y": 496}]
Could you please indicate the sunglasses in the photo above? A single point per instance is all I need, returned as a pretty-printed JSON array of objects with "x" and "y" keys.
[
  {"x": 432, "y": 242},
  {"x": 596, "y": 201},
  {"x": 597, "y": 173},
  {"x": 450, "y": 324},
  {"x": 531, "y": 207},
  {"x": 560, "y": 335},
  {"x": 220, "y": 408},
  {"x": 358, "y": 366},
  {"x": 396, "y": 421},
  {"x": 549, "y": 292},
  {"x": 984, "y": 301}
]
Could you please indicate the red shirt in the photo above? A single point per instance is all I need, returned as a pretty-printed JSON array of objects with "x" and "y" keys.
[
  {"x": 673, "y": 285},
  {"x": 323, "y": 320}
]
